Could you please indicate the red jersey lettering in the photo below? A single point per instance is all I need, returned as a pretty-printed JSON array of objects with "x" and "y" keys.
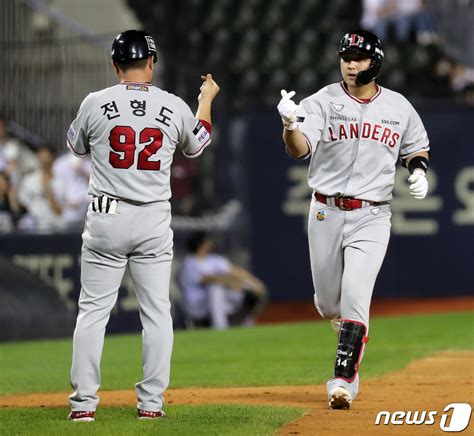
[
  {"x": 376, "y": 131},
  {"x": 370, "y": 131},
  {"x": 354, "y": 130},
  {"x": 395, "y": 137},
  {"x": 385, "y": 135},
  {"x": 366, "y": 130},
  {"x": 342, "y": 132}
]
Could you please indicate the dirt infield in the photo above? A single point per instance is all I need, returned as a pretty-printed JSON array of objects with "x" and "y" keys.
[
  {"x": 291, "y": 311},
  {"x": 427, "y": 384}
]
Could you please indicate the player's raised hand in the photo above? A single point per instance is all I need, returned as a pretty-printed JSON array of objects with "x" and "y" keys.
[
  {"x": 287, "y": 95},
  {"x": 209, "y": 89},
  {"x": 287, "y": 109},
  {"x": 418, "y": 184}
]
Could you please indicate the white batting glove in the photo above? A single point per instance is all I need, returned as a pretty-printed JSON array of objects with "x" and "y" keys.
[
  {"x": 287, "y": 109},
  {"x": 418, "y": 184}
]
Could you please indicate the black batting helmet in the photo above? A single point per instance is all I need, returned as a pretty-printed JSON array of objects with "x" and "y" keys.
[
  {"x": 367, "y": 44},
  {"x": 133, "y": 45}
]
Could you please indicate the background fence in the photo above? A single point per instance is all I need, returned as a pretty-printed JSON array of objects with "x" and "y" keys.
[
  {"x": 245, "y": 189},
  {"x": 48, "y": 64}
]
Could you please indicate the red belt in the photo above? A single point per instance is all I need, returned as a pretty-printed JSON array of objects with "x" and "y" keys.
[{"x": 347, "y": 203}]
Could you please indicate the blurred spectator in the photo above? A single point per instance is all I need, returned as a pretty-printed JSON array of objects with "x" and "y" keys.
[
  {"x": 15, "y": 158},
  {"x": 217, "y": 293},
  {"x": 460, "y": 77},
  {"x": 42, "y": 194},
  {"x": 402, "y": 17},
  {"x": 74, "y": 173},
  {"x": 9, "y": 153},
  {"x": 10, "y": 210}
]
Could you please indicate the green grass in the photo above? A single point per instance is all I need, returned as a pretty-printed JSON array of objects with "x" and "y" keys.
[
  {"x": 181, "y": 420},
  {"x": 282, "y": 354},
  {"x": 300, "y": 353}
]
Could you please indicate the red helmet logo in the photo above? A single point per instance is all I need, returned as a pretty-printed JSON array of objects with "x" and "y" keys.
[{"x": 355, "y": 39}]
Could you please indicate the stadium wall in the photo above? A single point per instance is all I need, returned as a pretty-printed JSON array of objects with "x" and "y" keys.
[{"x": 430, "y": 253}]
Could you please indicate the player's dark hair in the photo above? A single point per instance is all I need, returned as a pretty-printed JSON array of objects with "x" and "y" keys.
[
  {"x": 134, "y": 64},
  {"x": 195, "y": 241}
]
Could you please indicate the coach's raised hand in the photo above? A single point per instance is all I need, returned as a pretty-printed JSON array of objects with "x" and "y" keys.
[{"x": 209, "y": 88}]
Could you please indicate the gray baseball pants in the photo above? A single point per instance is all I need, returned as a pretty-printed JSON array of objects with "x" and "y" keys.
[
  {"x": 346, "y": 249},
  {"x": 141, "y": 237}
]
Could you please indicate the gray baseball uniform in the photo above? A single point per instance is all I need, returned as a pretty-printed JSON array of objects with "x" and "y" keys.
[
  {"x": 354, "y": 147},
  {"x": 131, "y": 131}
]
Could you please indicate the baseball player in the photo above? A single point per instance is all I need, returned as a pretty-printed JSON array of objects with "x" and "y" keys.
[
  {"x": 217, "y": 293},
  {"x": 131, "y": 131},
  {"x": 354, "y": 132}
]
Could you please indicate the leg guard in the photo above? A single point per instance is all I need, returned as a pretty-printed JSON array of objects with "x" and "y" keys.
[{"x": 349, "y": 350}]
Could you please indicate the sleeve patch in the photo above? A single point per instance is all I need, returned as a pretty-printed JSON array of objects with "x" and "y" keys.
[
  {"x": 71, "y": 134},
  {"x": 201, "y": 133}
]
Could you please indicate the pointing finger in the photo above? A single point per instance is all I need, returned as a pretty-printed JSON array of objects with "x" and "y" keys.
[
  {"x": 283, "y": 92},
  {"x": 291, "y": 94}
]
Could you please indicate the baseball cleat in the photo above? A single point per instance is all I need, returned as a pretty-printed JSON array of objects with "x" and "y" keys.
[
  {"x": 81, "y": 416},
  {"x": 340, "y": 398},
  {"x": 146, "y": 414}
]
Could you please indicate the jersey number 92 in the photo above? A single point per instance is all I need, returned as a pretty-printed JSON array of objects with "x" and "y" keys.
[{"x": 122, "y": 141}]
